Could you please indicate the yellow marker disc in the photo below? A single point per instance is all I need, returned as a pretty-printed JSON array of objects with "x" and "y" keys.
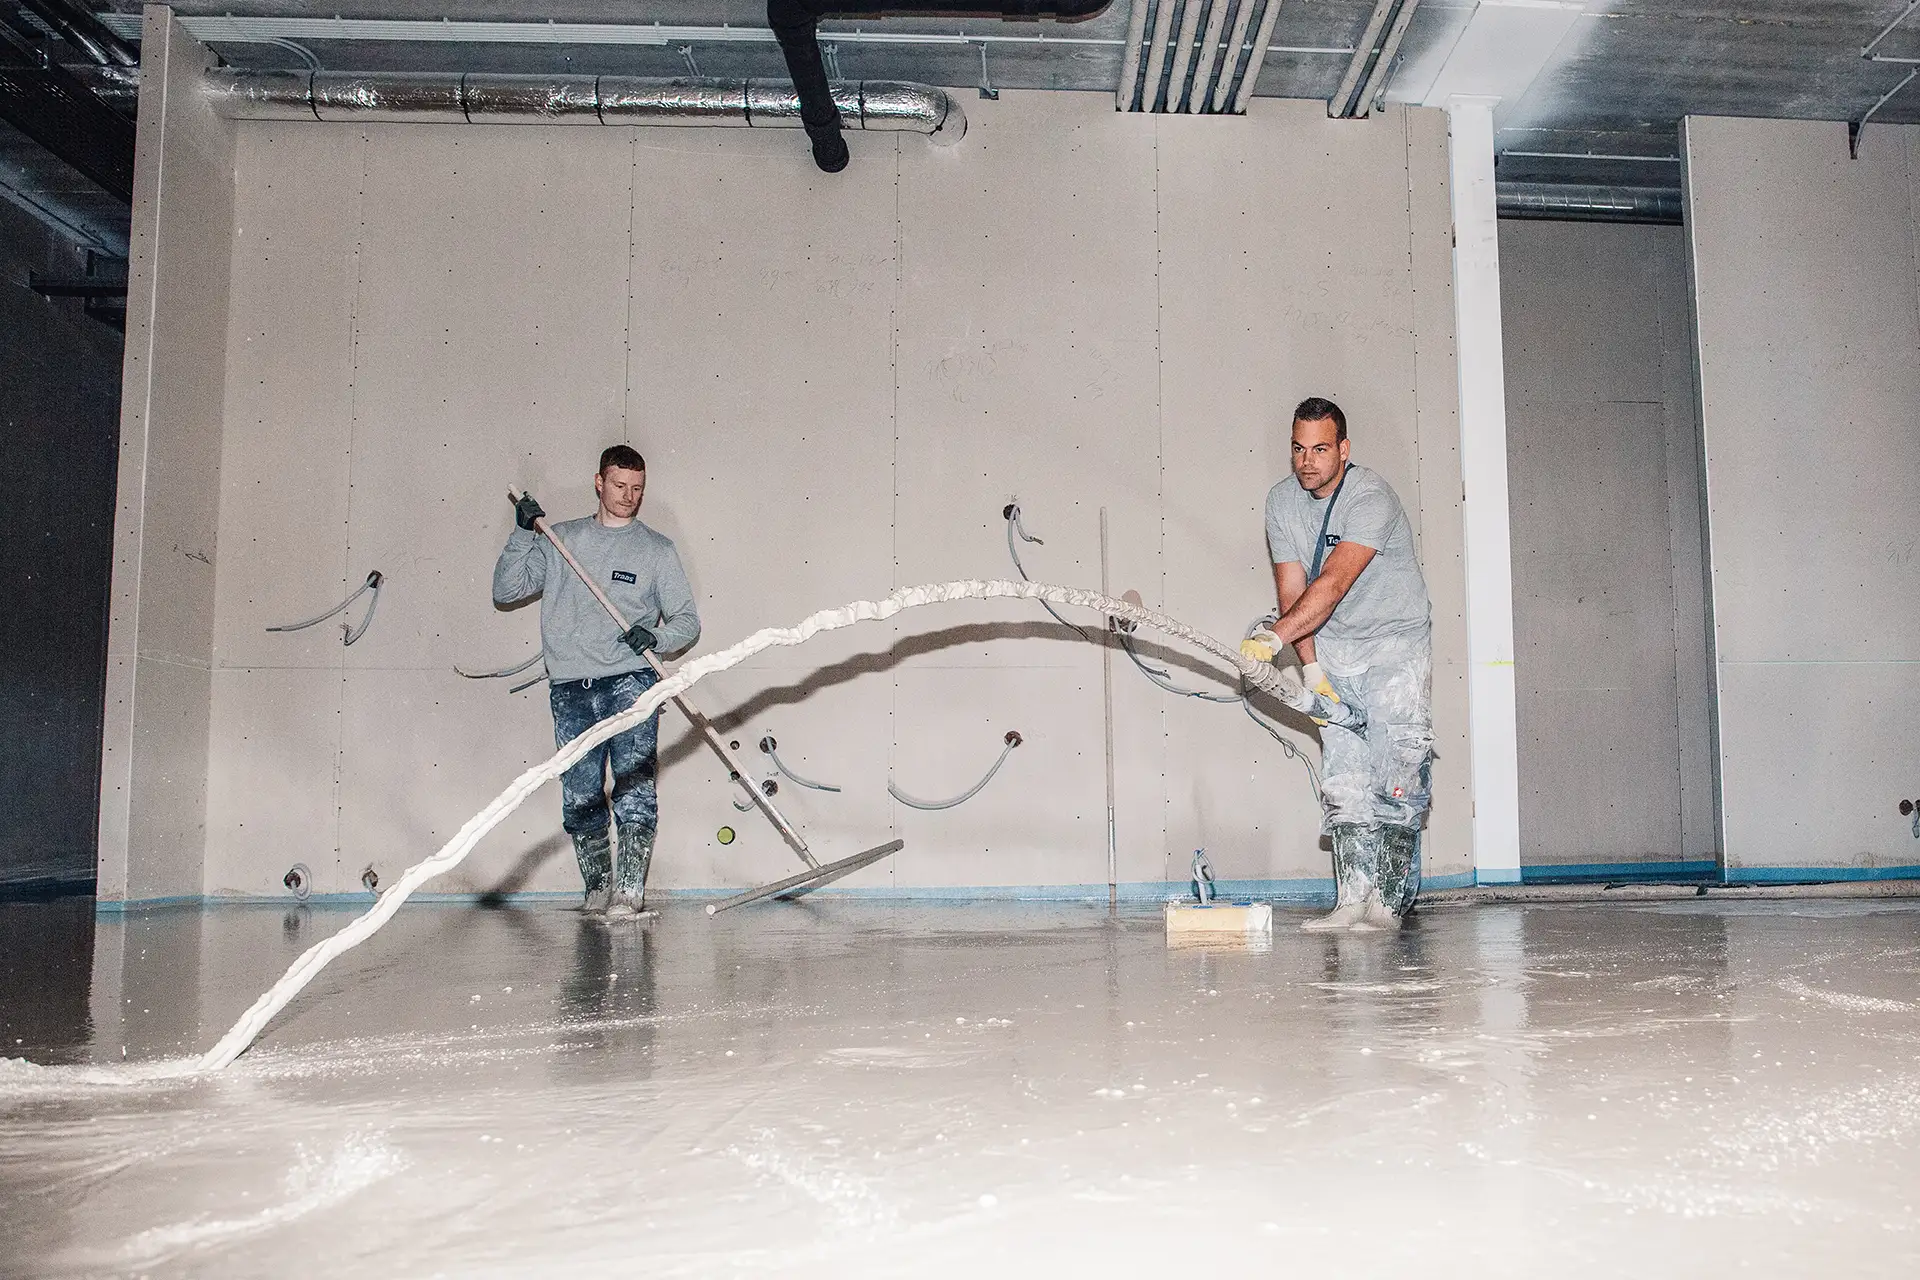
[{"x": 725, "y": 834}]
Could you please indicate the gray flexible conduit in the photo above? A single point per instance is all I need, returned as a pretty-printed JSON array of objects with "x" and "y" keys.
[
  {"x": 349, "y": 632},
  {"x": 1160, "y": 677},
  {"x": 502, "y": 673},
  {"x": 768, "y": 745},
  {"x": 1011, "y": 514},
  {"x": 1163, "y": 679},
  {"x": 933, "y": 806}
]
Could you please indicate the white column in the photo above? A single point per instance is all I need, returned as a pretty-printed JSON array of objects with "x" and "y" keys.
[{"x": 1492, "y": 726}]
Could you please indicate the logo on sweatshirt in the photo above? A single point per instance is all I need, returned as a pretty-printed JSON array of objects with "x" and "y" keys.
[
  {"x": 1333, "y": 540},
  {"x": 621, "y": 575}
]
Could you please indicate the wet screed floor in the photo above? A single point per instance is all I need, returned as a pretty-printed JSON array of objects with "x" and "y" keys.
[{"x": 833, "y": 1088}]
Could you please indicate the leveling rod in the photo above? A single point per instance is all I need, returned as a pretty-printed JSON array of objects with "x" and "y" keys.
[
  {"x": 808, "y": 879},
  {"x": 761, "y": 800}
]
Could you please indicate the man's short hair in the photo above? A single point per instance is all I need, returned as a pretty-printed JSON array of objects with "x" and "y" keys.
[
  {"x": 1319, "y": 409},
  {"x": 622, "y": 455}
]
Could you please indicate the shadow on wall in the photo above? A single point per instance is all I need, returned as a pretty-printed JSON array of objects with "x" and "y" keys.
[
  {"x": 1203, "y": 675},
  {"x": 521, "y": 874}
]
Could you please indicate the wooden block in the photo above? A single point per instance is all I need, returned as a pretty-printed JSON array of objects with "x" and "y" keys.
[{"x": 1238, "y": 918}]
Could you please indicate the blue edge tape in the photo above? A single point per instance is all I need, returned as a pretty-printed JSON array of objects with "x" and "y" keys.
[{"x": 1307, "y": 892}]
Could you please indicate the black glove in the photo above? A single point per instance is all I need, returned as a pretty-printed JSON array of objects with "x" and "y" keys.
[
  {"x": 638, "y": 639},
  {"x": 526, "y": 511}
]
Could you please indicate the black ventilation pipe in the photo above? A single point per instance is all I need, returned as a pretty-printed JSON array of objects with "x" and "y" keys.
[{"x": 796, "y": 25}]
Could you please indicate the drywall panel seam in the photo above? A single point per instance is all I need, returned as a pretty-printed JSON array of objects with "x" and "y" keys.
[
  {"x": 1716, "y": 755},
  {"x": 893, "y": 472},
  {"x": 626, "y": 320},
  {"x": 1160, "y": 473},
  {"x": 353, "y": 420},
  {"x": 1913, "y": 242},
  {"x": 1413, "y": 328},
  {"x": 1673, "y": 562}
]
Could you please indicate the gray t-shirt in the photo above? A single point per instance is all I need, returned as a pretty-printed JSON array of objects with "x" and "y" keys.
[
  {"x": 1390, "y": 595},
  {"x": 637, "y": 568}
]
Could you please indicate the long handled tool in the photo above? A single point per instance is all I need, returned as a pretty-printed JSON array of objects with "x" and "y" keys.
[
  {"x": 794, "y": 839},
  {"x": 808, "y": 879}
]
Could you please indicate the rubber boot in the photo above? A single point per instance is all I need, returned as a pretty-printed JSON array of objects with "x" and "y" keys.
[
  {"x": 1399, "y": 866},
  {"x": 1398, "y": 881},
  {"x": 630, "y": 883},
  {"x": 1356, "y": 855},
  {"x": 595, "y": 855}
]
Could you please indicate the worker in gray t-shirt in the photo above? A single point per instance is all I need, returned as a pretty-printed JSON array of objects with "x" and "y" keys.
[
  {"x": 1353, "y": 604},
  {"x": 594, "y": 670}
]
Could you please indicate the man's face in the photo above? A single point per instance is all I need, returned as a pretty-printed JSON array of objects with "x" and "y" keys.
[
  {"x": 620, "y": 491},
  {"x": 1317, "y": 454}
]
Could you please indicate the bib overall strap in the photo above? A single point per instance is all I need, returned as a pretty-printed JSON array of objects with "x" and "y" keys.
[{"x": 1320, "y": 543}]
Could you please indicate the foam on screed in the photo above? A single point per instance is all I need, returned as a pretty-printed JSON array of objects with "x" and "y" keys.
[{"x": 1262, "y": 676}]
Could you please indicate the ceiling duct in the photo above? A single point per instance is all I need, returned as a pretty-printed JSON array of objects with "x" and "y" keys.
[
  {"x": 473, "y": 98},
  {"x": 1569, "y": 202},
  {"x": 1189, "y": 69},
  {"x": 796, "y": 23},
  {"x": 86, "y": 33},
  {"x": 1368, "y": 74}
]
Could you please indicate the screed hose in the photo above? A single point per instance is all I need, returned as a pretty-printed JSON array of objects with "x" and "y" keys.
[{"x": 1282, "y": 682}]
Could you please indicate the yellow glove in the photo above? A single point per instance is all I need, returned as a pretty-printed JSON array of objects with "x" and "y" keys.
[
  {"x": 1260, "y": 646},
  {"x": 1315, "y": 679}
]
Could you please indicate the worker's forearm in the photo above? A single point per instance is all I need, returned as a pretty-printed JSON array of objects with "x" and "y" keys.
[
  {"x": 1307, "y": 615},
  {"x": 1290, "y": 596}
]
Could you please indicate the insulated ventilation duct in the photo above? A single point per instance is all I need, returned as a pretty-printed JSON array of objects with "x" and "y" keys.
[
  {"x": 1176, "y": 60},
  {"x": 796, "y": 24},
  {"x": 458, "y": 98},
  {"x": 1568, "y": 202}
]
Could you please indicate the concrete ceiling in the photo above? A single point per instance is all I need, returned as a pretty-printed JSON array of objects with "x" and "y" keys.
[
  {"x": 1577, "y": 81},
  {"x": 1622, "y": 75}
]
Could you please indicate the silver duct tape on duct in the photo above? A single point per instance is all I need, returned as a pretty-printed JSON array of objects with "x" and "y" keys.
[
  {"x": 456, "y": 98},
  {"x": 627, "y": 100},
  {"x": 427, "y": 99},
  {"x": 506, "y": 99},
  {"x": 261, "y": 95}
]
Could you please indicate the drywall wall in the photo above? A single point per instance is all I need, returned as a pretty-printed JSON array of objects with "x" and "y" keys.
[
  {"x": 1609, "y": 589},
  {"x": 154, "y": 745},
  {"x": 838, "y": 383},
  {"x": 1808, "y": 318}
]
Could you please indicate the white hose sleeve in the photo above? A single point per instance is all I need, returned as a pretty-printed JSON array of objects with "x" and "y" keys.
[{"x": 303, "y": 970}]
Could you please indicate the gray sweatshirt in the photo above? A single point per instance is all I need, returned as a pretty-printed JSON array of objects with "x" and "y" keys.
[{"x": 637, "y": 568}]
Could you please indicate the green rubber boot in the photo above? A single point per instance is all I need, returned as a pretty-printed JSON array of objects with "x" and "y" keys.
[{"x": 595, "y": 856}]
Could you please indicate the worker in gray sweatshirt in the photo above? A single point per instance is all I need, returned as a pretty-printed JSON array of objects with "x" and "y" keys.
[{"x": 595, "y": 671}]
